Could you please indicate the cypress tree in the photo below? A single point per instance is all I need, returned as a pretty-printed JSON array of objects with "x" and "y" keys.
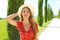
[
  {"x": 50, "y": 13},
  {"x": 40, "y": 14},
  {"x": 59, "y": 14},
  {"x": 13, "y": 6},
  {"x": 45, "y": 10}
]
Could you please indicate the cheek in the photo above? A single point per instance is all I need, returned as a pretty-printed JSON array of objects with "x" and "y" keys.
[{"x": 29, "y": 15}]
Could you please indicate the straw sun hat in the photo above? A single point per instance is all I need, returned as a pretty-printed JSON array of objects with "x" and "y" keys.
[{"x": 25, "y": 5}]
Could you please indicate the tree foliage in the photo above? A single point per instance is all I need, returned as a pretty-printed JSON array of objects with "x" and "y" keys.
[
  {"x": 46, "y": 10},
  {"x": 40, "y": 14},
  {"x": 59, "y": 14},
  {"x": 50, "y": 13},
  {"x": 13, "y": 6}
]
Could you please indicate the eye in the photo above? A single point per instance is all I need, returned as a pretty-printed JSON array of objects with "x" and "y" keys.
[
  {"x": 28, "y": 11},
  {"x": 24, "y": 11}
]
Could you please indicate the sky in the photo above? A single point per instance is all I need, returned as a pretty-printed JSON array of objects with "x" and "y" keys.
[
  {"x": 3, "y": 8},
  {"x": 55, "y": 5}
]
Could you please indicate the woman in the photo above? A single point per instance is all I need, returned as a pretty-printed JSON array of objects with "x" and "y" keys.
[{"x": 26, "y": 26}]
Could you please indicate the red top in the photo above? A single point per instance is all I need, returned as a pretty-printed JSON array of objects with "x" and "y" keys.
[{"x": 25, "y": 35}]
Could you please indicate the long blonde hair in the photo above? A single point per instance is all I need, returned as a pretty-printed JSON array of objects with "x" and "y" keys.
[{"x": 31, "y": 20}]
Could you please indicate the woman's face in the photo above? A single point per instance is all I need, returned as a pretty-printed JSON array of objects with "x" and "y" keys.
[{"x": 25, "y": 13}]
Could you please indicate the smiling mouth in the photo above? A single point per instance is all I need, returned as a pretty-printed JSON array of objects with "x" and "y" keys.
[{"x": 25, "y": 15}]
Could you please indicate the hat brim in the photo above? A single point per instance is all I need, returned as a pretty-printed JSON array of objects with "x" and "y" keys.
[{"x": 26, "y": 5}]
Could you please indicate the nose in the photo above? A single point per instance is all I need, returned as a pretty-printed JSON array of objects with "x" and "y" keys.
[{"x": 26, "y": 12}]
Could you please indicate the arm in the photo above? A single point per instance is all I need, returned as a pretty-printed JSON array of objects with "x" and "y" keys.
[{"x": 10, "y": 20}]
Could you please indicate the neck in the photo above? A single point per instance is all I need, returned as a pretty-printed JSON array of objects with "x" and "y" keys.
[{"x": 26, "y": 21}]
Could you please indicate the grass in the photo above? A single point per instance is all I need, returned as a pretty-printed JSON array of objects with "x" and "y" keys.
[
  {"x": 3, "y": 30},
  {"x": 43, "y": 27}
]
